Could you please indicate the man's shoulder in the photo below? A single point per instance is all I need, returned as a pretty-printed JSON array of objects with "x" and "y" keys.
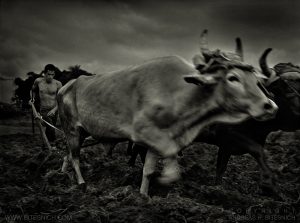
[
  {"x": 38, "y": 80},
  {"x": 58, "y": 83}
]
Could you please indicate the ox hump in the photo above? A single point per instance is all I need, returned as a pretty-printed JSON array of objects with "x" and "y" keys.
[{"x": 170, "y": 64}]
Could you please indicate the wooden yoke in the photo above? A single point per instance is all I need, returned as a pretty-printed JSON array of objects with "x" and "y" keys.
[{"x": 37, "y": 117}]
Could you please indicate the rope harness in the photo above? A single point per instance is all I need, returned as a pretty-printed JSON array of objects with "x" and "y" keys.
[
  {"x": 38, "y": 116},
  {"x": 49, "y": 124}
]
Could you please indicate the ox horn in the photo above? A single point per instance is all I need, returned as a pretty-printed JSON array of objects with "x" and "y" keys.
[
  {"x": 203, "y": 41},
  {"x": 239, "y": 48},
  {"x": 263, "y": 63}
]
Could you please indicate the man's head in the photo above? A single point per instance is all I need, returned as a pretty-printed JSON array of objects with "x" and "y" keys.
[{"x": 49, "y": 72}]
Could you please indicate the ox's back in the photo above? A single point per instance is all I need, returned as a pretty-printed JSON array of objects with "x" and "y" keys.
[
  {"x": 157, "y": 76},
  {"x": 105, "y": 104}
]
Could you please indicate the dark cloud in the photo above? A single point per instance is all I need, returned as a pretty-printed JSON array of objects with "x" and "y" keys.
[{"x": 107, "y": 35}]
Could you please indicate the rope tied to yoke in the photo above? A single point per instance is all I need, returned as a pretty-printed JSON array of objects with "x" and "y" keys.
[
  {"x": 39, "y": 117},
  {"x": 47, "y": 123}
]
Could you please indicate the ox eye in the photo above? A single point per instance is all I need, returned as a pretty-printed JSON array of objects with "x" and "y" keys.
[{"x": 233, "y": 79}]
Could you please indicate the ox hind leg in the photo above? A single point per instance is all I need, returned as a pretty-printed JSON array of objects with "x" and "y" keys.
[
  {"x": 135, "y": 151},
  {"x": 148, "y": 170},
  {"x": 267, "y": 181},
  {"x": 244, "y": 145},
  {"x": 75, "y": 139}
]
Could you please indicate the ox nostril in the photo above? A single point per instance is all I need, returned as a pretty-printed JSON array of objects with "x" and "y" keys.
[{"x": 268, "y": 106}]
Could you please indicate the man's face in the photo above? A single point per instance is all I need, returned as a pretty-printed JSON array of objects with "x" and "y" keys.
[{"x": 49, "y": 74}]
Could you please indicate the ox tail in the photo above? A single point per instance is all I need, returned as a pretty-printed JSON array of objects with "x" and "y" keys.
[
  {"x": 66, "y": 87},
  {"x": 64, "y": 91},
  {"x": 61, "y": 95}
]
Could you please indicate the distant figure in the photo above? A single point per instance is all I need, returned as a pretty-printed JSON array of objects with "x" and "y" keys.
[{"x": 47, "y": 89}]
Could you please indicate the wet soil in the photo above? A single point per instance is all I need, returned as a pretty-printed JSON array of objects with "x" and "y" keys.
[{"x": 32, "y": 188}]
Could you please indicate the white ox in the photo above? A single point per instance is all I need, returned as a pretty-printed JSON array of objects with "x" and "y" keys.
[{"x": 163, "y": 104}]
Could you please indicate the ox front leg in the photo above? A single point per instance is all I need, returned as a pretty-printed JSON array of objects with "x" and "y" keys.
[
  {"x": 148, "y": 170},
  {"x": 171, "y": 171},
  {"x": 162, "y": 142}
]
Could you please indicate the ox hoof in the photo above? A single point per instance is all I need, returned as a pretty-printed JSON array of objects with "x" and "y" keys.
[
  {"x": 169, "y": 178},
  {"x": 82, "y": 187}
]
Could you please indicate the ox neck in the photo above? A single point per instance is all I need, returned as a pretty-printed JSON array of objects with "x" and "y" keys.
[
  {"x": 201, "y": 112},
  {"x": 207, "y": 111},
  {"x": 194, "y": 122},
  {"x": 204, "y": 105}
]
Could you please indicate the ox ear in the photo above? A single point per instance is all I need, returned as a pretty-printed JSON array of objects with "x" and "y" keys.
[{"x": 201, "y": 79}]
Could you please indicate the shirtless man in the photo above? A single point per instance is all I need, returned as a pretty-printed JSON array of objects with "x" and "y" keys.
[{"x": 47, "y": 88}]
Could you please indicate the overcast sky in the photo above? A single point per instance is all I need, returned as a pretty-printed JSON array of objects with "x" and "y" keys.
[{"x": 108, "y": 35}]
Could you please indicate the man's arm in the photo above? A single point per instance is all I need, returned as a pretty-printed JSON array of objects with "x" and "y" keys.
[{"x": 34, "y": 89}]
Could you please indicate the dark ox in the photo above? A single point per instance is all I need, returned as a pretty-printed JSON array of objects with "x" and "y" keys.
[
  {"x": 162, "y": 104},
  {"x": 250, "y": 136}
]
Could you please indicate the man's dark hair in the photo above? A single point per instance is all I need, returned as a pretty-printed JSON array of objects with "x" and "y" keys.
[{"x": 49, "y": 67}]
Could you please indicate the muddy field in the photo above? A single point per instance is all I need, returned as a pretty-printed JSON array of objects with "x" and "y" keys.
[{"x": 34, "y": 190}]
